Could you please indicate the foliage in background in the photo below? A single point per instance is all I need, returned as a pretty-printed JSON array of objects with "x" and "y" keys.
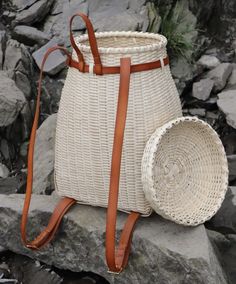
[{"x": 178, "y": 26}]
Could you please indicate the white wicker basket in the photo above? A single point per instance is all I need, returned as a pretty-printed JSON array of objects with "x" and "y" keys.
[
  {"x": 86, "y": 120},
  {"x": 184, "y": 171}
]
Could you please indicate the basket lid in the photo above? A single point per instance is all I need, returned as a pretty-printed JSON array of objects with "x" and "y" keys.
[{"x": 185, "y": 171}]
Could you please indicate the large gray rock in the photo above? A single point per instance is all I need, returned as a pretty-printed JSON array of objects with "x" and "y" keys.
[
  {"x": 208, "y": 62},
  {"x": 30, "y": 35},
  {"x": 202, "y": 89},
  {"x": 44, "y": 156},
  {"x": 12, "y": 100},
  {"x": 220, "y": 75},
  {"x": 227, "y": 104},
  {"x": 56, "y": 60},
  {"x": 34, "y": 13},
  {"x": 225, "y": 219},
  {"x": 162, "y": 252}
]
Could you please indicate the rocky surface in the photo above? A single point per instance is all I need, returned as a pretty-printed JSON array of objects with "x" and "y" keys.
[
  {"x": 177, "y": 255},
  {"x": 44, "y": 156},
  {"x": 12, "y": 100}
]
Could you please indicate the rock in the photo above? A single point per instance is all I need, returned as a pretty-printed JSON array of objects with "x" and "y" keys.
[
  {"x": 34, "y": 13},
  {"x": 44, "y": 156},
  {"x": 227, "y": 104},
  {"x": 23, "y": 4},
  {"x": 30, "y": 35},
  {"x": 232, "y": 79},
  {"x": 203, "y": 10},
  {"x": 209, "y": 104},
  {"x": 57, "y": 24},
  {"x": 162, "y": 252},
  {"x": 13, "y": 184},
  {"x": 7, "y": 152},
  {"x": 18, "y": 62},
  {"x": 4, "y": 172},
  {"x": 225, "y": 219},
  {"x": 202, "y": 89},
  {"x": 208, "y": 62},
  {"x": 26, "y": 270},
  {"x": 105, "y": 15},
  {"x": 226, "y": 246},
  {"x": 24, "y": 150},
  {"x": 13, "y": 55},
  {"x": 197, "y": 111},
  {"x": 23, "y": 83},
  {"x": 69, "y": 9},
  {"x": 56, "y": 60},
  {"x": 26, "y": 120},
  {"x": 220, "y": 75},
  {"x": 182, "y": 71},
  {"x": 122, "y": 15},
  {"x": 229, "y": 142},
  {"x": 232, "y": 167},
  {"x": 12, "y": 100},
  {"x": 3, "y": 39}
]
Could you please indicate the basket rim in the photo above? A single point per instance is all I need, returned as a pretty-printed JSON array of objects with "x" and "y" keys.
[
  {"x": 161, "y": 42},
  {"x": 150, "y": 172}
]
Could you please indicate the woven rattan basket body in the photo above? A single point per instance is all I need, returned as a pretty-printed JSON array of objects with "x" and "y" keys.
[
  {"x": 86, "y": 120},
  {"x": 184, "y": 171}
]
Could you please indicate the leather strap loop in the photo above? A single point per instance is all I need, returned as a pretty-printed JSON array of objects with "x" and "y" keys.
[
  {"x": 117, "y": 259},
  {"x": 64, "y": 205},
  {"x": 92, "y": 42}
]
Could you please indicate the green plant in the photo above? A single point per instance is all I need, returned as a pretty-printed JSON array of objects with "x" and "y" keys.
[{"x": 178, "y": 26}]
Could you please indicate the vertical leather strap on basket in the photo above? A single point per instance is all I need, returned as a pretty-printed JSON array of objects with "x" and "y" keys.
[
  {"x": 117, "y": 258},
  {"x": 64, "y": 204}
]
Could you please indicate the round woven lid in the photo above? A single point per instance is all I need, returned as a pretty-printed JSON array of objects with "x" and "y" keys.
[{"x": 185, "y": 171}]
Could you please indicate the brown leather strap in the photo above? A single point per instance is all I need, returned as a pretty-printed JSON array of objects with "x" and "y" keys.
[
  {"x": 117, "y": 259},
  {"x": 64, "y": 205},
  {"x": 92, "y": 42},
  {"x": 116, "y": 69}
]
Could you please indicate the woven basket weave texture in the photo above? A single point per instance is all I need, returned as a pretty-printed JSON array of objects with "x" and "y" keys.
[
  {"x": 86, "y": 120},
  {"x": 184, "y": 171}
]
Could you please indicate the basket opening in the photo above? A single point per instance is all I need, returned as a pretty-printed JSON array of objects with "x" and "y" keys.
[{"x": 124, "y": 41}]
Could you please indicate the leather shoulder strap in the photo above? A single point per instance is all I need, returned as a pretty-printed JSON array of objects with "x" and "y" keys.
[
  {"x": 64, "y": 205},
  {"x": 117, "y": 259}
]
